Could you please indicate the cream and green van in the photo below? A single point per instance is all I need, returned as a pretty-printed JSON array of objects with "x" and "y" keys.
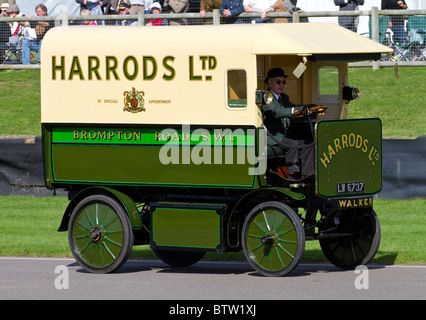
[{"x": 158, "y": 136}]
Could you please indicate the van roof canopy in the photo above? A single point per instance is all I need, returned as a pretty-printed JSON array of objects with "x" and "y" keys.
[{"x": 319, "y": 41}]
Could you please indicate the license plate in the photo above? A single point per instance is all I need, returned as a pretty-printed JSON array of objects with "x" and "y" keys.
[{"x": 350, "y": 187}]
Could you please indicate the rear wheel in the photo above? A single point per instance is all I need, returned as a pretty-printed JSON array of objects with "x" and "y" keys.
[
  {"x": 100, "y": 234},
  {"x": 361, "y": 243},
  {"x": 273, "y": 239}
]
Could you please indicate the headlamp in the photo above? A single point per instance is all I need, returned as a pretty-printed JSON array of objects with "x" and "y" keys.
[{"x": 350, "y": 93}]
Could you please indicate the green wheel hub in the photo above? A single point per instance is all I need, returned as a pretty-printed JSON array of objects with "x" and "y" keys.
[
  {"x": 100, "y": 235},
  {"x": 273, "y": 239}
]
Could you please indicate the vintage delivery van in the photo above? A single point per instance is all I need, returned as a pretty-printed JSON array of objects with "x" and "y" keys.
[{"x": 158, "y": 135}]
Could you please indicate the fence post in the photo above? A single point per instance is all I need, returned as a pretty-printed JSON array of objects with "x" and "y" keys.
[
  {"x": 296, "y": 17},
  {"x": 141, "y": 18},
  {"x": 375, "y": 32},
  {"x": 65, "y": 19},
  {"x": 216, "y": 16}
]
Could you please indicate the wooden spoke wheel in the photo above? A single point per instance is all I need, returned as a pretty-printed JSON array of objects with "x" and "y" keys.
[
  {"x": 99, "y": 234},
  {"x": 273, "y": 239},
  {"x": 360, "y": 243}
]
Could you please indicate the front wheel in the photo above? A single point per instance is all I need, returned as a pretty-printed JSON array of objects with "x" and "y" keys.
[
  {"x": 359, "y": 246},
  {"x": 100, "y": 234},
  {"x": 273, "y": 239}
]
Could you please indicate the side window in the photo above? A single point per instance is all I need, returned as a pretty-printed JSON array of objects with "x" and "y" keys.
[
  {"x": 237, "y": 88},
  {"x": 328, "y": 81}
]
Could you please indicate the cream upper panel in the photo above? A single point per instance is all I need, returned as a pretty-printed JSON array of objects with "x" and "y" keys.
[
  {"x": 176, "y": 75},
  {"x": 170, "y": 75}
]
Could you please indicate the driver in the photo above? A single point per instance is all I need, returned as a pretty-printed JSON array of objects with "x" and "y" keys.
[{"x": 298, "y": 151}]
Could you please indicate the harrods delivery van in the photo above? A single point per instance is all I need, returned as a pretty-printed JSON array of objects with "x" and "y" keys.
[{"x": 158, "y": 136}]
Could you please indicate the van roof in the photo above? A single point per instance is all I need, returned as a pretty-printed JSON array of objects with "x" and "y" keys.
[{"x": 319, "y": 41}]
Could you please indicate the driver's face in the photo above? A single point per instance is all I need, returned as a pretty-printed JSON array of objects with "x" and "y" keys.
[{"x": 276, "y": 84}]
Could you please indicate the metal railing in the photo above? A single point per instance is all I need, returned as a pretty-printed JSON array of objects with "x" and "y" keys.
[{"x": 215, "y": 18}]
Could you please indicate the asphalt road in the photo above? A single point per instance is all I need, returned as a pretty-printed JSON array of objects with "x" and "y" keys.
[{"x": 51, "y": 278}]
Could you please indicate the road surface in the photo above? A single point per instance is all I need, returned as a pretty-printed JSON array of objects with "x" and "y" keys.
[{"x": 55, "y": 278}]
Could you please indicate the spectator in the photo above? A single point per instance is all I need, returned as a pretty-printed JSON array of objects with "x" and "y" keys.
[
  {"x": 350, "y": 23},
  {"x": 112, "y": 7},
  {"x": 137, "y": 5},
  {"x": 177, "y": 6},
  {"x": 41, "y": 27},
  {"x": 396, "y": 23},
  {"x": 91, "y": 4},
  {"x": 3, "y": 8},
  {"x": 86, "y": 12},
  {"x": 124, "y": 9},
  {"x": 291, "y": 5},
  {"x": 13, "y": 12},
  {"x": 156, "y": 9},
  {"x": 263, "y": 6},
  {"x": 231, "y": 8},
  {"x": 5, "y": 34},
  {"x": 208, "y": 6}
]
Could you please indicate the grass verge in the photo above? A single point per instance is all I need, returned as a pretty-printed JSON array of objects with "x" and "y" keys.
[{"x": 28, "y": 228}]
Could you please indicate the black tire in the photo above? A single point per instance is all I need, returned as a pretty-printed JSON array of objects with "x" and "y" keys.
[
  {"x": 179, "y": 258},
  {"x": 273, "y": 239},
  {"x": 99, "y": 234},
  {"x": 351, "y": 251}
]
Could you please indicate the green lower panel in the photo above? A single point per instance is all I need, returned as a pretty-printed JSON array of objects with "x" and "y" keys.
[
  {"x": 187, "y": 226},
  {"x": 141, "y": 165}
]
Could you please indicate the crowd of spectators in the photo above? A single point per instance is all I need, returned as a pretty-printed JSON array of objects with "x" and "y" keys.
[{"x": 32, "y": 32}]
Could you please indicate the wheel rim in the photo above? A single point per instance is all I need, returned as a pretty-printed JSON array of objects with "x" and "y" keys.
[
  {"x": 271, "y": 240},
  {"x": 349, "y": 252},
  {"x": 97, "y": 235}
]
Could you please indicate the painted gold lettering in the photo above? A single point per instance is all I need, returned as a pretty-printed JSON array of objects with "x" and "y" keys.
[
  {"x": 128, "y": 135},
  {"x": 137, "y": 136},
  {"x": 325, "y": 160},
  {"x": 75, "y": 69},
  {"x": 169, "y": 68},
  {"x": 127, "y": 74},
  {"x": 331, "y": 152},
  {"x": 364, "y": 147},
  {"x": 337, "y": 145},
  {"x": 149, "y": 60},
  {"x": 111, "y": 67},
  {"x": 351, "y": 140},
  {"x": 193, "y": 77},
  {"x": 344, "y": 141},
  {"x": 358, "y": 141},
  {"x": 60, "y": 67},
  {"x": 94, "y": 64}
]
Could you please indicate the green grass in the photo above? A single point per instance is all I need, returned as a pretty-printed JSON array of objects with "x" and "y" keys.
[
  {"x": 399, "y": 102},
  {"x": 20, "y": 102},
  {"x": 28, "y": 228}
]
